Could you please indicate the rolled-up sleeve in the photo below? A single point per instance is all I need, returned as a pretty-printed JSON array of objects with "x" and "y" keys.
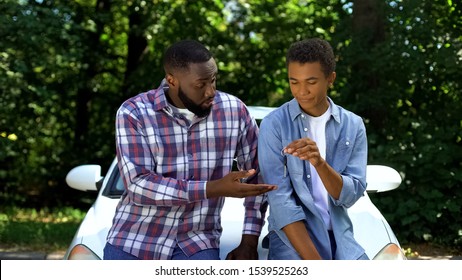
[
  {"x": 247, "y": 158},
  {"x": 283, "y": 208},
  {"x": 354, "y": 173}
]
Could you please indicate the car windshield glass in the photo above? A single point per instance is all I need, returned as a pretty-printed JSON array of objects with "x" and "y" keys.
[
  {"x": 115, "y": 185},
  {"x": 119, "y": 185}
]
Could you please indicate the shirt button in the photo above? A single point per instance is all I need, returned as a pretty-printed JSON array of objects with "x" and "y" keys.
[
  {"x": 305, "y": 129},
  {"x": 308, "y": 176},
  {"x": 347, "y": 143},
  {"x": 303, "y": 116}
]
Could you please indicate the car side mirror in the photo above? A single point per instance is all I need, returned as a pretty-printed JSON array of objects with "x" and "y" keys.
[
  {"x": 84, "y": 177},
  {"x": 381, "y": 178}
]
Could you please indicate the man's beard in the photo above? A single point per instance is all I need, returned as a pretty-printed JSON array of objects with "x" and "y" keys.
[{"x": 191, "y": 106}]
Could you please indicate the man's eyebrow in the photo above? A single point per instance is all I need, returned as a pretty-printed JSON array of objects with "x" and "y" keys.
[
  {"x": 208, "y": 78},
  {"x": 307, "y": 79}
]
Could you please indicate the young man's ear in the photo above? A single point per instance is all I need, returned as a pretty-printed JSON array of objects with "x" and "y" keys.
[{"x": 331, "y": 78}]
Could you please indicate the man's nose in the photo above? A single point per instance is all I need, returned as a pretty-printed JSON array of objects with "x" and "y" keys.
[{"x": 210, "y": 91}]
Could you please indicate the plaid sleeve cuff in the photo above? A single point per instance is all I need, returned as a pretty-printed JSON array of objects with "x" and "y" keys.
[{"x": 197, "y": 190}]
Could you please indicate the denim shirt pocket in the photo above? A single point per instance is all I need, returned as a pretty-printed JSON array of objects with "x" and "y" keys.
[{"x": 342, "y": 152}]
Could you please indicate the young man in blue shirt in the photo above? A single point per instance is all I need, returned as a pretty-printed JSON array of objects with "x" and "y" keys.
[{"x": 316, "y": 153}]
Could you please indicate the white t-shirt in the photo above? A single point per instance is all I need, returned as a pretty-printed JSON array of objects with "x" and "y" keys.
[
  {"x": 316, "y": 131},
  {"x": 190, "y": 116}
]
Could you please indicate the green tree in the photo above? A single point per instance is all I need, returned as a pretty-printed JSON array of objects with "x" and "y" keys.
[
  {"x": 401, "y": 74},
  {"x": 38, "y": 64}
]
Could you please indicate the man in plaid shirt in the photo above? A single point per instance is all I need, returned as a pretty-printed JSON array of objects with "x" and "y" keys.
[{"x": 175, "y": 149}]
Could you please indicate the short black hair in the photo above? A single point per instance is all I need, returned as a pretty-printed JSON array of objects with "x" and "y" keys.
[
  {"x": 181, "y": 54},
  {"x": 310, "y": 51}
]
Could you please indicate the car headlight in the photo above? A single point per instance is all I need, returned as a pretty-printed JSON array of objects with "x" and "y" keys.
[
  {"x": 82, "y": 252},
  {"x": 390, "y": 252}
]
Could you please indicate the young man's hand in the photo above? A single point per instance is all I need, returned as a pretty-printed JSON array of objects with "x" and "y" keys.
[{"x": 305, "y": 149}]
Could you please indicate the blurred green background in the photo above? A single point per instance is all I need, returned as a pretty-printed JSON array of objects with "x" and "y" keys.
[{"x": 66, "y": 66}]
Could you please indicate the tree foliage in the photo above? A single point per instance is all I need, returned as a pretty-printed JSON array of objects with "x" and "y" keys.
[
  {"x": 407, "y": 89},
  {"x": 66, "y": 66}
]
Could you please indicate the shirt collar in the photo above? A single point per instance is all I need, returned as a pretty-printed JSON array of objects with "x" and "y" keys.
[
  {"x": 160, "y": 99},
  {"x": 295, "y": 110},
  {"x": 335, "y": 111}
]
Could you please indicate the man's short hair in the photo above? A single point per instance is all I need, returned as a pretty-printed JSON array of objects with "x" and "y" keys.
[
  {"x": 311, "y": 51},
  {"x": 183, "y": 53}
]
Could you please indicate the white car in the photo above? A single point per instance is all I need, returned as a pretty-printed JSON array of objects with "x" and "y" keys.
[{"x": 371, "y": 229}]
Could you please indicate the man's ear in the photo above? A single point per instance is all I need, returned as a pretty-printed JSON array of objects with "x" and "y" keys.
[{"x": 170, "y": 80}]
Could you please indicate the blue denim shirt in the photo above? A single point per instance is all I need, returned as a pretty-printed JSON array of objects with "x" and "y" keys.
[{"x": 346, "y": 152}]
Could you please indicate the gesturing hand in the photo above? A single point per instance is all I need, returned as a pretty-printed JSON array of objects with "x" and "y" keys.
[
  {"x": 231, "y": 186},
  {"x": 305, "y": 149}
]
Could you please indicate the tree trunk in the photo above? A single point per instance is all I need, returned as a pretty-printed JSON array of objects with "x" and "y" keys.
[
  {"x": 86, "y": 92},
  {"x": 368, "y": 21},
  {"x": 368, "y": 32},
  {"x": 137, "y": 46}
]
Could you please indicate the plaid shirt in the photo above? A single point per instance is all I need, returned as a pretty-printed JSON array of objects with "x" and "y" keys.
[{"x": 165, "y": 162}]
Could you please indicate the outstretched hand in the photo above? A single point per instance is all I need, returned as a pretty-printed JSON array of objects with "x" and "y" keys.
[{"x": 232, "y": 186}]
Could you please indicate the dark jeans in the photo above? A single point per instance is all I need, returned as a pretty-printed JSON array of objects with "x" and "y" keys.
[
  {"x": 208, "y": 254},
  {"x": 113, "y": 253},
  {"x": 278, "y": 250}
]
